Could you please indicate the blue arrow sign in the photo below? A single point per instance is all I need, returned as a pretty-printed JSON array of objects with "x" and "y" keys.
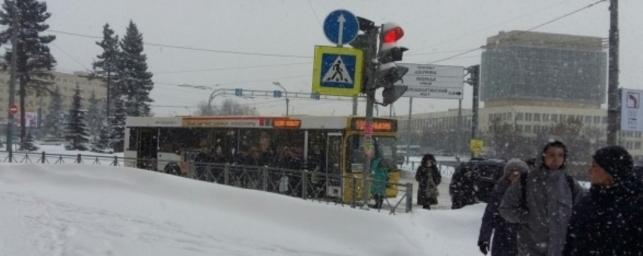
[
  {"x": 341, "y": 27},
  {"x": 238, "y": 92},
  {"x": 276, "y": 94}
]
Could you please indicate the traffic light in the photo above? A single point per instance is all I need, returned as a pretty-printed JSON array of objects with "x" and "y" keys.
[
  {"x": 366, "y": 41},
  {"x": 388, "y": 73},
  {"x": 474, "y": 75}
]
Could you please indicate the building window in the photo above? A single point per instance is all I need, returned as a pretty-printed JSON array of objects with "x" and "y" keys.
[
  {"x": 604, "y": 119},
  {"x": 537, "y": 117},
  {"x": 528, "y": 117},
  {"x": 588, "y": 119},
  {"x": 637, "y": 145},
  {"x": 545, "y": 117},
  {"x": 518, "y": 116},
  {"x": 597, "y": 119},
  {"x": 554, "y": 117},
  {"x": 528, "y": 128}
]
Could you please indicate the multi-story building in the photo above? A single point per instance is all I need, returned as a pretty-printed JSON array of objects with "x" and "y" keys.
[
  {"x": 35, "y": 104},
  {"x": 532, "y": 81}
]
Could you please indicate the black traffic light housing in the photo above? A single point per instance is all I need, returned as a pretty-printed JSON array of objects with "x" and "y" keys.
[{"x": 388, "y": 73}]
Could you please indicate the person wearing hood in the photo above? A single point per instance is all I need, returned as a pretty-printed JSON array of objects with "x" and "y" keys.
[
  {"x": 504, "y": 233},
  {"x": 609, "y": 220},
  {"x": 541, "y": 203},
  {"x": 428, "y": 177}
]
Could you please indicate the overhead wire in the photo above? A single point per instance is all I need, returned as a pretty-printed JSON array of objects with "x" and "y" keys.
[
  {"x": 230, "y": 68},
  {"x": 189, "y": 48},
  {"x": 530, "y": 29},
  {"x": 531, "y": 12}
]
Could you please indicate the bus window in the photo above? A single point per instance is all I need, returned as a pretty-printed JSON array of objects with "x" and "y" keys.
[
  {"x": 384, "y": 148},
  {"x": 133, "y": 139}
]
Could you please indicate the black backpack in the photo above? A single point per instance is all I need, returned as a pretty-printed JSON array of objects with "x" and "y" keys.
[{"x": 523, "y": 183}]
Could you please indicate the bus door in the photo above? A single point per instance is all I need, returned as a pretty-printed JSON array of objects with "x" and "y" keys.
[
  {"x": 333, "y": 164},
  {"x": 148, "y": 142}
]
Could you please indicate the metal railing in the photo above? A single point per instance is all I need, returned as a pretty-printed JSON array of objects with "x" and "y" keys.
[
  {"x": 308, "y": 185},
  {"x": 44, "y": 158}
]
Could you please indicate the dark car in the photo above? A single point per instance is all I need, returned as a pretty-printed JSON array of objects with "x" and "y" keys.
[{"x": 473, "y": 181}]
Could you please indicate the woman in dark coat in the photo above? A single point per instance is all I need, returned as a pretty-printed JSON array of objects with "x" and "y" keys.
[
  {"x": 504, "y": 233},
  {"x": 428, "y": 177},
  {"x": 608, "y": 221}
]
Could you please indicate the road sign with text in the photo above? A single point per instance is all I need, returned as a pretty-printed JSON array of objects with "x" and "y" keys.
[{"x": 433, "y": 81}]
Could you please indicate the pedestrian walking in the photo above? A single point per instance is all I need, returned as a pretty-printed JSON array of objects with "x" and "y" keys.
[
  {"x": 493, "y": 225},
  {"x": 609, "y": 219},
  {"x": 428, "y": 177},
  {"x": 541, "y": 203}
]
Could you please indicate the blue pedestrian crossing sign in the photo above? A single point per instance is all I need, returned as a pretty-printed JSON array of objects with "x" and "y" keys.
[{"x": 337, "y": 71}]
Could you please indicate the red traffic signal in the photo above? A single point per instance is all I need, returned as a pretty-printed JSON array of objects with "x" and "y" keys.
[{"x": 391, "y": 33}]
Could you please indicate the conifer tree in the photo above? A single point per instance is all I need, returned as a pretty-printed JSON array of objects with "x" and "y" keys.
[
  {"x": 106, "y": 65},
  {"x": 55, "y": 119},
  {"x": 34, "y": 60},
  {"x": 101, "y": 142},
  {"x": 76, "y": 131},
  {"x": 134, "y": 81},
  {"x": 29, "y": 143}
]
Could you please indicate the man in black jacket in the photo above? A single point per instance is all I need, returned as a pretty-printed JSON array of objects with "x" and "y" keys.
[{"x": 609, "y": 221}]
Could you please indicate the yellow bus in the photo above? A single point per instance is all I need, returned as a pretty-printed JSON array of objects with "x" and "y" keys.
[{"x": 323, "y": 145}]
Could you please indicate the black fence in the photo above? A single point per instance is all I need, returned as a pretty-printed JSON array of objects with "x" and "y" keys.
[{"x": 308, "y": 185}]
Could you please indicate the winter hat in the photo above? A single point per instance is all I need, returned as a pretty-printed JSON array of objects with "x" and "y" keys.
[
  {"x": 615, "y": 160},
  {"x": 515, "y": 164}
]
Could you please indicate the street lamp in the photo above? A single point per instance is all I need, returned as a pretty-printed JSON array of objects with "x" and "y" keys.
[{"x": 286, "y": 94}]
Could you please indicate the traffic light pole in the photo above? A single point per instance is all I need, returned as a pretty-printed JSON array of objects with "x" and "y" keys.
[{"x": 369, "y": 150}]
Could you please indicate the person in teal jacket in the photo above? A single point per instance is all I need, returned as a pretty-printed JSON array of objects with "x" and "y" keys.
[{"x": 380, "y": 179}]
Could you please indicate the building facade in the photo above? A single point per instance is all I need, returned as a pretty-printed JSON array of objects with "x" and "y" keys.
[
  {"x": 37, "y": 106},
  {"x": 534, "y": 81}
]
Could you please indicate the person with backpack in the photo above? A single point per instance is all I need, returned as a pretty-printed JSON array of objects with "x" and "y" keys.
[
  {"x": 428, "y": 177},
  {"x": 609, "y": 220},
  {"x": 540, "y": 202},
  {"x": 504, "y": 233}
]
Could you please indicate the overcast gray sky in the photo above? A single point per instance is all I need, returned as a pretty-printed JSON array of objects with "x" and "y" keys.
[{"x": 434, "y": 29}]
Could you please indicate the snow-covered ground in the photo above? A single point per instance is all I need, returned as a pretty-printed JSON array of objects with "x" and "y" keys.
[{"x": 102, "y": 210}]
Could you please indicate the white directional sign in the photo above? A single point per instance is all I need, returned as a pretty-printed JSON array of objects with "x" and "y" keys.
[
  {"x": 434, "y": 92},
  {"x": 433, "y": 81},
  {"x": 631, "y": 112}
]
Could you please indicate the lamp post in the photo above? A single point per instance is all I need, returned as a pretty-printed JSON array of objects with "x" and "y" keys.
[{"x": 286, "y": 94}]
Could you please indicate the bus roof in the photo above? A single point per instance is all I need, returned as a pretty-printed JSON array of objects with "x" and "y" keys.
[{"x": 307, "y": 122}]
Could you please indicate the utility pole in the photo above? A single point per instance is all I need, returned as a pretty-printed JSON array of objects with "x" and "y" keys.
[
  {"x": 612, "y": 84},
  {"x": 12, "y": 80},
  {"x": 372, "y": 33},
  {"x": 107, "y": 101},
  {"x": 408, "y": 131},
  {"x": 474, "y": 81}
]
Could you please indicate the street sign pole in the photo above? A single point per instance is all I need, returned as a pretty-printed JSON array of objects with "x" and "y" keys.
[
  {"x": 370, "y": 102},
  {"x": 408, "y": 132},
  {"x": 12, "y": 89}
]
